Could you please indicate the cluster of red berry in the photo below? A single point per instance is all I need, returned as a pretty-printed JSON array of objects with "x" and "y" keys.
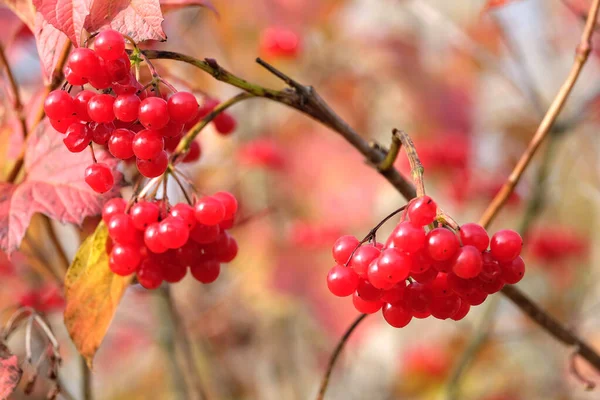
[
  {"x": 160, "y": 244},
  {"x": 420, "y": 274},
  {"x": 134, "y": 123}
]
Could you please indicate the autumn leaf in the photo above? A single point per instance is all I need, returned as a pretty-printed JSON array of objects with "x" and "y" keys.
[
  {"x": 68, "y": 16},
  {"x": 53, "y": 185},
  {"x": 92, "y": 294},
  {"x": 50, "y": 43},
  {"x": 24, "y": 9},
  {"x": 139, "y": 19},
  {"x": 10, "y": 373},
  {"x": 172, "y": 5}
]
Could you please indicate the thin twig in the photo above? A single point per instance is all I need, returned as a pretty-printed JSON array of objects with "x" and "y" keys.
[
  {"x": 416, "y": 167},
  {"x": 392, "y": 154},
  {"x": 583, "y": 50},
  {"x": 86, "y": 379},
  {"x": 336, "y": 354},
  {"x": 171, "y": 170}
]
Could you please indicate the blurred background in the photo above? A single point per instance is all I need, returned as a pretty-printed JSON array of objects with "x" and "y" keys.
[{"x": 469, "y": 81}]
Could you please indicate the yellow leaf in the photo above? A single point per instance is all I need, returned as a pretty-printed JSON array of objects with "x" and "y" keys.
[{"x": 92, "y": 294}]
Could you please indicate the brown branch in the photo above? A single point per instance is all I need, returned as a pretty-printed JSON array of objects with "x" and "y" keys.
[
  {"x": 581, "y": 55},
  {"x": 336, "y": 354},
  {"x": 14, "y": 87}
]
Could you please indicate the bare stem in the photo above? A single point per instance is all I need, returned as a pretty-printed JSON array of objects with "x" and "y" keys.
[
  {"x": 416, "y": 168},
  {"x": 86, "y": 380},
  {"x": 336, "y": 354},
  {"x": 392, "y": 154}
]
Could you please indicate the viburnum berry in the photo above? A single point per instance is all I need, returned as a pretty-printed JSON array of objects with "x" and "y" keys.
[
  {"x": 152, "y": 239},
  {"x": 78, "y": 137},
  {"x": 210, "y": 211},
  {"x": 173, "y": 272},
  {"x": 193, "y": 153},
  {"x": 378, "y": 277},
  {"x": 513, "y": 271},
  {"x": 153, "y": 167},
  {"x": 205, "y": 271},
  {"x": 227, "y": 247},
  {"x": 186, "y": 213},
  {"x": 147, "y": 144},
  {"x": 365, "y": 306},
  {"x": 61, "y": 125},
  {"x": 343, "y": 248},
  {"x": 474, "y": 297},
  {"x": 100, "y": 108},
  {"x": 153, "y": 113},
  {"x": 440, "y": 286},
  {"x": 73, "y": 78},
  {"x": 124, "y": 259},
  {"x": 99, "y": 177},
  {"x": 426, "y": 276},
  {"x": 474, "y": 235},
  {"x": 182, "y": 107},
  {"x": 395, "y": 294},
  {"x": 149, "y": 274},
  {"x": 121, "y": 229},
  {"x": 173, "y": 232},
  {"x": 444, "y": 307},
  {"x": 172, "y": 142},
  {"x": 143, "y": 214},
  {"x": 204, "y": 234},
  {"x": 279, "y": 42},
  {"x": 367, "y": 291},
  {"x": 342, "y": 281},
  {"x": 100, "y": 78},
  {"x": 81, "y": 101},
  {"x": 59, "y": 105},
  {"x": 467, "y": 263},
  {"x": 394, "y": 265},
  {"x": 112, "y": 207},
  {"x": 172, "y": 129},
  {"x": 442, "y": 244},
  {"x": 462, "y": 311},
  {"x": 119, "y": 70},
  {"x": 120, "y": 144},
  {"x": 83, "y": 62},
  {"x": 362, "y": 258},
  {"x": 126, "y": 107},
  {"x": 418, "y": 297},
  {"x": 396, "y": 315},
  {"x": 422, "y": 211},
  {"x": 229, "y": 202},
  {"x": 101, "y": 133},
  {"x": 506, "y": 245},
  {"x": 408, "y": 237},
  {"x": 109, "y": 44},
  {"x": 225, "y": 124},
  {"x": 490, "y": 268}
]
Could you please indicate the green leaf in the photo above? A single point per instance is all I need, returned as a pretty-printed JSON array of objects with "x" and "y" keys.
[{"x": 92, "y": 294}]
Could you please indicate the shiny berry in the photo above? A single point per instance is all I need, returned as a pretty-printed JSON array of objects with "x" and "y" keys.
[
  {"x": 153, "y": 113},
  {"x": 99, "y": 177},
  {"x": 442, "y": 244},
  {"x": 506, "y": 245},
  {"x": 147, "y": 144},
  {"x": 153, "y": 167},
  {"x": 474, "y": 235},
  {"x": 422, "y": 211},
  {"x": 342, "y": 281}
]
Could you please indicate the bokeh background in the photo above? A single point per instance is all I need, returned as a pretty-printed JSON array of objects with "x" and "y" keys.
[{"x": 469, "y": 81}]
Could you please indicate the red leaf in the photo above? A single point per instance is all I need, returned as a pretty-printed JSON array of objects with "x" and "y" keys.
[
  {"x": 67, "y": 16},
  {"x": 24, "y": 10},
  {"x": 50, "y": 44},
  {"x": 53, "y": 186},
  {"x": 10, "y": 373},
  {"x": 172, "y": 5},
  {"x": 139, "y": 19}
]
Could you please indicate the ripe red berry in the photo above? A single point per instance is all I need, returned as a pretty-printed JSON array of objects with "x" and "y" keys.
[
  {"x": 173, "y": 232},
  {"x": 279, "y": 42},
  {"x": 59, "y": 105},
  {"x": 61, "y": 125},
  {"x": 100, "y": 108},
  {"x": 147, "y": 144},
  {"x": 81, "y": 101},
  {"x": 394, "y": 265},
  {"x": 442, "y": 244},
  {"x": 143, "y": 214},
  {"x": 149, "y": 274},
  {"x": 506, "y": 245},
  {"x": 377, "y": 277},
  {"x": 445, "y": 307},
  {"x": 100, "y": 79},
  {"x": 229, "y": 202},
  {"x": 206, "y": 271},
  {"x": 78, "y": 137},
  {"x": 225, "y": 124},
  {"x": 172, "y": 129},
  {"x": 153, "y": 113},
  {"x": 490, "y": 269},
  {"x": 204, "y": 234},
  {"x": 126, "y": 107},
  {"x": 101, "y": 133},
  {"x": 396, "y": 315},
  {"x": 342, "y": 281},
  {"x": 172, "y": 142},
  {"x": 418, "y": 297},
  {"x": 173, "y": 272},
  {"x": 153, "y": 167},
  {"x": 124, "y": 259},
  {"x": 83, "y": 62},
  {"x": 474, "y": 235},
  {"x": 440, "y": 286},
  {"x": 73, "y": 78},
  {"x": 210, "y": 211},
  {"x": 120, "y": 144},
  {"x": 109, "y": 44},
  {"x": 152, "y": 239},
  {"x": 462, "y": 311},
  {"x": 422, "y": 211},
  {"x": 343, "y": 248},
  {"x": 121, "y": 229},
  {"x": 367, "y": 291},
  {"x": 186, "y": 213},
  {"x": 99, "y": 177},
  {"x": 365, "y": 306},
  {"x": 119, "y": 70},
  {"x": 395, "y": 294},
  {"x": 362, "y": 258},
  {"x": 182, "y": 106},
  {"x": 513, "y": 271},
  {"x": 112, "y": 207},
  {"x": 474, "y": 297},
  {"x": 408, "y": 237},
  {"x": 193, "y": 153},
  {"x": 425, "y": 276},
  {"x": 227, "y": 248},
  {"x": 467, "y": 263}
]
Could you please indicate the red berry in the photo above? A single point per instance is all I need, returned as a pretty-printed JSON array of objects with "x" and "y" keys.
[
  {"x": 73, "y": 78},
  {"x": 474, "y": 235},
  {"x": 100, "y": 79},
  {"x": 442, "y": 244},
  {"x": 121, "y": 229},
  {"x": 206, "y": 271},
  {"x": 149, "y": 274},
  {"x": 100, "y": 108},
  {"x": 109, "y": 44},
  {"x": 153, "y": 113},
  {"x": 182, "y": 107},
  {"x": 153, "y": 167},
  {"x": 83, "y": 62},
  {"x": 227, "y": 248},
  {"x": 462, "y": 311},
  {"x": 78, "y": 137},
  {"x": 342, "y": 281},
  {"x": 99, "y": 177},
  {"x": 362, "y": 258},
  {"x": 61, "y": 125},
  {"x": 426, "y": 276},
  {"x": 143, "y": 214},
  {"x": 506, "y": 245},
  {"x": 229, "y": 201},
  {"x": 172, "y": 129},
  {"x": 343, "y": 248},
  {"x": 186, "y": 213},
  {"x": 126, "y": 107},
  {"x": 210, "y": 211},
  {"x": 112, "y": 207},
  {"x": 421, "y": 262},
  {"x": 101, "y": 133},
  {"x": 394, "y": 265},
  {"x": 490, "y": 269},
  {"x": 467, "y": 263},
  {"x": 377, "y": 277},
  {"x": 279, "y": 42},
  {"x": 474, "y": 297},
  {"x": 120, "y": 144},
  {"x": 152, "y": 239},
  {"x": 193, "y": 153},
  {"x": 422, "y": 211},
  {"x": 367, "y": 291},
  {"x": 147, "y": 144},
  {"x": 173, "y": 232},
  {"x": 440, "y": 287},
  {"x": 124, "y": 259},
  {"x": 513, "y": 271},
  {"x": 119, "y": 70},
  {"x": 460, "y": 286},
  {"x": 172, "y": 142},
  {"x": 205, "y": 234},
  {"x": 81, "y": 101},
  {"x": 491, "y": 287},
  {"x": 225, "y": 124},
  {"x": 173, "y": 272},
  {"x": 445, "y": 307},
  {"x": 395, "y": 294},
  {"x": 396, "y": 315},
  {"x": 59, "y": 105},
  {"x": 418, "y": 297},
  {"x": 364, "y": 306},
  {"x": 408, "y": 237}
]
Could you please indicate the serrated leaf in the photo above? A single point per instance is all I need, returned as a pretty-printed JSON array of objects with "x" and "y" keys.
[
  {"x": 10, "y": 373},
  {"x": 139, "y": 19},
  {"x": 172, "y": 5},
  {"x": 68, "y": 16},
  {"x": 54, "y": 185},
  {"x": 92, "y": 294},
  {"x": 50, "y": 43}
]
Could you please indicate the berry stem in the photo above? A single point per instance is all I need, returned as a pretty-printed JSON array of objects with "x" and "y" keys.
[
  {"x": 581, "y": 55},
  {"x": 336, "y": 354},
  {"x": 171, "y": 171},
  {"x": 416, "y": 168},
  {"x": 392, "y": 154}
]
